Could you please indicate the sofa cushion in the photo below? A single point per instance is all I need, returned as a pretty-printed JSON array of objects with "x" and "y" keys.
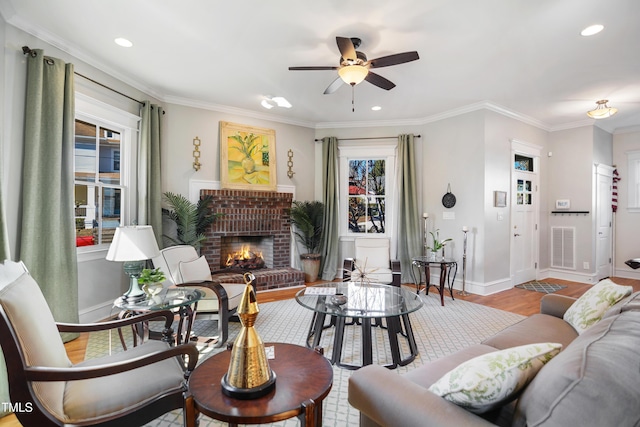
[
  {"x": 488, "y": 381},
  {"x": 533, "y": 329},
  {"x": 591, "y": 306},
  {"x": 632, "y": 302},
  {"x": 592, "y": 382}
]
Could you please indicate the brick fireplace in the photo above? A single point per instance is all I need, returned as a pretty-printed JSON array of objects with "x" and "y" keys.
[{"x": 251, "y": 216}]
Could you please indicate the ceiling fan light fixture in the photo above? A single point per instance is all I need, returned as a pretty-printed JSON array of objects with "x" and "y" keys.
[
  {"x": 602, "y": 111},
  {"x": 353, "y": 74}
]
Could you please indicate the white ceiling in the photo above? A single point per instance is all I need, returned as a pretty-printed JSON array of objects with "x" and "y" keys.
[{"x": 523, "y": 58}]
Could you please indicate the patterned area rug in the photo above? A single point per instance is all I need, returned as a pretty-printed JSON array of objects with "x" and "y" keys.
[
  {"x": 438, "y": 330},
  {"x": 545, "y": 288}
]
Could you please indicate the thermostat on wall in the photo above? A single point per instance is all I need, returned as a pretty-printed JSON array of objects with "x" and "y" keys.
[{"x": 563, "y": 204}]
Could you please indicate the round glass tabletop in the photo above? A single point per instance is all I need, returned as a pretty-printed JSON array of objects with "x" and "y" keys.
[
  {"x": 168, "y": 298},
  {"x": 352, "y": 299}
]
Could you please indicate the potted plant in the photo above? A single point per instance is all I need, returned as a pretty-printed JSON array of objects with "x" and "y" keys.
[
  {"x": 151, "y": 281},
  {"x": 191, "y": 219},
  {"x": 437, "y": 243},
  {"x": 307, "y": 217}
]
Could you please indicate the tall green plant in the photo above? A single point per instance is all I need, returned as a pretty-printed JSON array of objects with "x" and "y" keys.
[
  {"x": 192, "y": 219},
  {"x": 308, "y": 217}
]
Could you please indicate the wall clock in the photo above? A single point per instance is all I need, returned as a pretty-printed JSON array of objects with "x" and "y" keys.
[{"x": 448, "y": 200}]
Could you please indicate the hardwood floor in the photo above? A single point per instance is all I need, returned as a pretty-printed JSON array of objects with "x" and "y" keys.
[{"x": 514, "y": 300}]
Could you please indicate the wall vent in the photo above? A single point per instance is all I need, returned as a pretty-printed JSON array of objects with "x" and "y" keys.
[{"x": 563, "y": 247}]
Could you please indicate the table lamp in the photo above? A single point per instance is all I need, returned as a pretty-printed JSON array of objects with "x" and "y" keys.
[{"x": 134, "y": 245}]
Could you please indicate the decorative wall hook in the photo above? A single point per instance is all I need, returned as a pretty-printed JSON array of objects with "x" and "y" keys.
[
  {"x": 196, "y": 153},
  {"x": 290, "y": 172}
]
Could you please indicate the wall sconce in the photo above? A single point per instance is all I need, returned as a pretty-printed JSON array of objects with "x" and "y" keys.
[
  {"x": 196, "y": 153},
  {"x": 290, "y": 172}
]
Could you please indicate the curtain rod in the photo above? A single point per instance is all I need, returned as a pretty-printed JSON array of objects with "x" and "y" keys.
[
  {"x": 370, "y": 137},
  {"x": 26, "y": 50}
]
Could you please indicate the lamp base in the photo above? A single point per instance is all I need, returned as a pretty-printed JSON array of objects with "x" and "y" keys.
[
  {"x": 463, "y": 293},
  {"x": 248, "y": 393},
  {"x": 135, "y": 293}
]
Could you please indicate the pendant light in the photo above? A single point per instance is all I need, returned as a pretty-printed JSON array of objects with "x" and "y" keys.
[{"x": 602, "y": 111}]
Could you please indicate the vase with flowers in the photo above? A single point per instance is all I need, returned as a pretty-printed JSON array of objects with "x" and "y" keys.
[{"x": 437, "y": 244}]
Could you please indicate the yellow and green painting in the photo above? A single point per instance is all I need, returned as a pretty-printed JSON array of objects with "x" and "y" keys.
[{"x": 248, "y": 157}]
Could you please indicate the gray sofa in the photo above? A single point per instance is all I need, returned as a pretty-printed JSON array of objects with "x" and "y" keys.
[{"x": 594, "y": 381}]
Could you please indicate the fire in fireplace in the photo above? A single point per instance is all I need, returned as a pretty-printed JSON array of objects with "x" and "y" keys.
[{"x": 245, "y": 258}]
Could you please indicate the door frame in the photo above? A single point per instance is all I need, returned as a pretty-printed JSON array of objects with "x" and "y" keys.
[
  {"x": 607, "y": 171},
  {"x": 533, "y": 151}
]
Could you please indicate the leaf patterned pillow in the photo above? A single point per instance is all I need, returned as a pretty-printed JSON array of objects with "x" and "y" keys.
[
  {"x": 591, "y": 306},
  {"x": 491, "y": 380}
]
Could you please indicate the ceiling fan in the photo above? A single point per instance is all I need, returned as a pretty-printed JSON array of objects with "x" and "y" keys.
[{"x": 354, "y": 66}]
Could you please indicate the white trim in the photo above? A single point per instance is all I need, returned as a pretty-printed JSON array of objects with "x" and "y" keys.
[
  {"x": 633, "y": 173},
  {"x": 97, "y": 313},
  {"x": 572, "y": 276}
]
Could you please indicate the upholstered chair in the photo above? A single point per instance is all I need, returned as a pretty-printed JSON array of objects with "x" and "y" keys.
[
  {"x": 373, "y": 261},
  {"x": 183, "y": 267},
  {"x": 131, "y": 387}
]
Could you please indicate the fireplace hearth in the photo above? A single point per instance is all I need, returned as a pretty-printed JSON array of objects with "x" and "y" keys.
[{"x": 261, "y": 220}]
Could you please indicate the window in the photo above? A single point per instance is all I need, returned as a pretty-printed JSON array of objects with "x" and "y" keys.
[
  {"x": 366, "y": 184},
  {"x": 104, "y": 149},
  {"x": 367, "y": 196},
  {"x": 634, "y": 180}
]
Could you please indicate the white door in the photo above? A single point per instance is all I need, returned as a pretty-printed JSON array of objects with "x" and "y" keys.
[
  {"x": 604, "y": 182},
  {"x": 523, "y": 226}
]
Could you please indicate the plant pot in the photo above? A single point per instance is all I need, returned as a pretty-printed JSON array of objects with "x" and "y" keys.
[{"x": 310, "y": 266}]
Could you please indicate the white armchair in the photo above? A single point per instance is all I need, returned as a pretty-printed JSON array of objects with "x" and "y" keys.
[
  {"x": 183, "y": 267},
  {"x": 373, "y": 258}
]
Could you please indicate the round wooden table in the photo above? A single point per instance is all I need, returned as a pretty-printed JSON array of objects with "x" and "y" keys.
[{"x": 303, "y": 379}]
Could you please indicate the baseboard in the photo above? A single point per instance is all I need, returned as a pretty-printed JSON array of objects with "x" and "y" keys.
[
  {"x": 572, "y": 276},
  {"x": 97, "y": 313},
  {"x": 476, "y": 288},
  {"x": 627, "y": 273}
]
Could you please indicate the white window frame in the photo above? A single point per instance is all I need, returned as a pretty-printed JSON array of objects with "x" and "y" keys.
[
  {"x": 633, "y": 185},
  {"x": 97, "y": 112},
  {"x": 384, "y": 152}
]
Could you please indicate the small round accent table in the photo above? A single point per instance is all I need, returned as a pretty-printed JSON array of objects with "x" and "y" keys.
[{"x": 303, "y": 379}]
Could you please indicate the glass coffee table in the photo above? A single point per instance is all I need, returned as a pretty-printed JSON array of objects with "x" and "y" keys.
[
  {"x": 365, "y": 304},
  {"x": 182, "y": 300}
]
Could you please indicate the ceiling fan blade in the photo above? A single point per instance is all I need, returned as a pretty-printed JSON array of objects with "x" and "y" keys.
[
  {"x": 398, "y": 58},
  {"x": 345, "y": 45},
  {"x": 378, "y": 80},
  {"x": 335, "y": 85},
  {"x": 313, "y": 68}
]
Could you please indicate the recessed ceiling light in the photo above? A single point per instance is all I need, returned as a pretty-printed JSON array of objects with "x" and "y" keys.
[
  {"x": 266, "y": 104},
  {"x": 123, "y": 42},
  {"x": 591, "y": 30},
  {"x": 376, "y": 108},
  {"x": 281, "y": 101}
]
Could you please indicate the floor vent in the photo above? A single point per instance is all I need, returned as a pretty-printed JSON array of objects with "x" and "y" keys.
[{"x": 563, "y": 247}]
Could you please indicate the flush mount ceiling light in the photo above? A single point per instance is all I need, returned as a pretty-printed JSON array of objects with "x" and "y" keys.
[
  {"x": 123, "y": 42},
  {"x": 591, "y": 30},
  {"x": 376, "y": 108},
  {"x": 602, "y": 111}
]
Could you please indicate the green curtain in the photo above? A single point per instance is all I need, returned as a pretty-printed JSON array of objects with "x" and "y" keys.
[
  {"x": 331, "y": 237},
  {"x": 47, "y": 239},
  {"x": 409, "y": 244},
  {"x": 149, "y": 177}
]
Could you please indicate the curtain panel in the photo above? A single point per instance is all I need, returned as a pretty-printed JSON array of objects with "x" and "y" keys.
[
  {"x": 408, "y": 224},
  {"x": 331, "y": 237},
  {"x": 47, "y": 230},
  {"x": 149, "y": 174}
]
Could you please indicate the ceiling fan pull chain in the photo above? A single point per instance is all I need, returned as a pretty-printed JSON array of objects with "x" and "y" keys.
[{"x": 353, "y": 104}]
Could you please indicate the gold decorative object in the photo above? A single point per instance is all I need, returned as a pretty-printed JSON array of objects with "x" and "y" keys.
[
  {"x": 196, "y": 153},
  {"x": 249, "y": 375},
  {"x": 290, "y": 172}
]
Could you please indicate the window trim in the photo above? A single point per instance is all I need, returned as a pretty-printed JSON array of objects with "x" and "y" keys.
[
  {"x": 385, "y": 152},
  {"x": 102, "y": 114}
]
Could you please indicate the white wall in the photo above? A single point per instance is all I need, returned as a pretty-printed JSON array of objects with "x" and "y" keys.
[{"x": 627, "y": 233}]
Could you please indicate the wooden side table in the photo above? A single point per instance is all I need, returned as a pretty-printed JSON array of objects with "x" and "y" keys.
[{"x": 303, "y": 379}]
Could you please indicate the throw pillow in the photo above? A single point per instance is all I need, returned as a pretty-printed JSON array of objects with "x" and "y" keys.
[
  {"x": 493, "y": 379},
  {"x": 591, "y": 306}
]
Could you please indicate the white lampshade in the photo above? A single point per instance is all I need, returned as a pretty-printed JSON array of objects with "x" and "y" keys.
[
  {"x": 353, "y": 74},
  {"x": 133, "y": 243},
  {"x": 602, "y": 110}
]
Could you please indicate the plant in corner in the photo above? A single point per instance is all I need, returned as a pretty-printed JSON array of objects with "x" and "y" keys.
[
  {"x": 308, "y": 218},
  {"x": 191, "y": 219}
]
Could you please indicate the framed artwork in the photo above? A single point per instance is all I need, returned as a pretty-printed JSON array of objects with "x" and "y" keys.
[
  {"x": 247, "y": 157},
  {"x": 500, "y": 199}
]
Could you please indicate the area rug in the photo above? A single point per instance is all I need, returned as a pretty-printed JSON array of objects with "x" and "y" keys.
[
  {"x": 545, "y": 288},
  {"x": 438, "y": 331}
]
